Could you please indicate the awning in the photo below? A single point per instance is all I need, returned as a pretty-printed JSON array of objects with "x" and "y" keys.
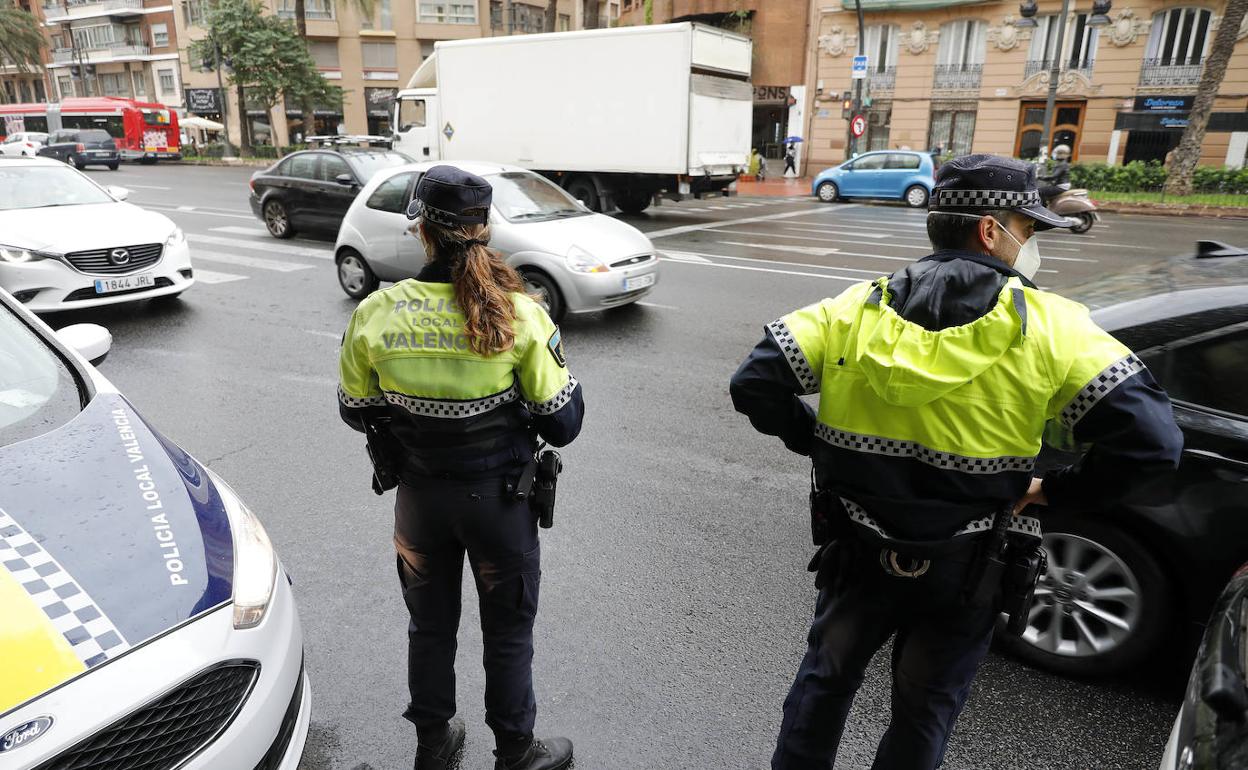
[{"x": 203, "y": 123}]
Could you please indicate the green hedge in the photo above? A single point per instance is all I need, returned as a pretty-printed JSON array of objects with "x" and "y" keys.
[{"x": 1138, "y": 176}]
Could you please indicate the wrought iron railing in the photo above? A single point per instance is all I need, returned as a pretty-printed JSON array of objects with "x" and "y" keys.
[
  {"x": 55, "y": 9},
  {"x": 882, "y": 80},
  {"x": 958, "y": 76},
  {"x": 66, "y": 55},
  {"x": 1045, "y": 65},
  {"x": 1169, "y": 72}
]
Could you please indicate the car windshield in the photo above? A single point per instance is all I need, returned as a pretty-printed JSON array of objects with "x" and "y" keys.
[
  {"x": 38, "y": 392},
  {"x": 368, "y": 163},
  {"x": 33, "y": 187},
  {"x": 522, "y": 196}
]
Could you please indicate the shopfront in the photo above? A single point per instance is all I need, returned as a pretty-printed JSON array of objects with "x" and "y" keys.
[
  {"x": 771, "y": 117},
  {"x": 379, "y": 103}
]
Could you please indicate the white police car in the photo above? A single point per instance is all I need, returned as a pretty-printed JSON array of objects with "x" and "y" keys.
[{"x": 145, "y": 620}]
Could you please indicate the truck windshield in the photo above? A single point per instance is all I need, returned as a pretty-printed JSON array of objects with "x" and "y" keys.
[
  {"x": 522, "y": 196},
  {"x": 38, "y": 393}
]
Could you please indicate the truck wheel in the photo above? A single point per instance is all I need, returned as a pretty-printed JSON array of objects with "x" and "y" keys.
[
  {"x": 545, "y": 291},
  {"x": 828, "y": 193},
  {"x": 1102, "y": 606},
  {"x": 582, "y": 188},
  {"x": 355, "y": 276},
  {"x": 634, "y": 201}
]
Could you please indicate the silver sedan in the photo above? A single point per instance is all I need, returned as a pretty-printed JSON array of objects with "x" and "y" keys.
[{"x": 573, "y": 259}]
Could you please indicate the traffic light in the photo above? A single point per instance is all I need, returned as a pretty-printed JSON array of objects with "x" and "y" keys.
[{"x": 847, "y": 105}]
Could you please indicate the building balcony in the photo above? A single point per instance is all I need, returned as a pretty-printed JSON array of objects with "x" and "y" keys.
[
  {"x": 1046, "y": 65},
  {"x": 1169, "y": 72},
  {"x": 83, "y": 9},
  {"x": 882, "y": 81},
  {"x": 957, "y": 77},
  {"x": 101, "y": 53}
]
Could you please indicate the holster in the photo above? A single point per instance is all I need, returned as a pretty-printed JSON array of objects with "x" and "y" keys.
[
  {"x": 546, "y": 481},
  {"x": 828, "y": 519},
  {"x": 1027, "y": 562},
  {"x": 383, "y": 452}
]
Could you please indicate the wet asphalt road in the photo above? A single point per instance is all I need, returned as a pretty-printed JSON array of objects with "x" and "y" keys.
[{"x": 675, "y": 597}]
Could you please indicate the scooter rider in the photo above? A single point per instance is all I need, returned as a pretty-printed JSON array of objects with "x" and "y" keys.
[{"x": 1058, "y": 177}]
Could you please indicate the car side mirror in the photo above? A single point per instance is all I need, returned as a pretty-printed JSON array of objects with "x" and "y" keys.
[
  {"x": 91, "y": 341},
  {"x": 346, "y": 180},
  {"x": 118, "y": 193}
]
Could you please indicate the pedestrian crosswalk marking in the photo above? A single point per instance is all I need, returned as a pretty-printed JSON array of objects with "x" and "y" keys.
[
  {"x": 274, "y": 248},
  {"x": 256, "y": 231},
  {"x": 210, "y": 276},
  {"x": 256, "y": 262},
  {"x": 812, "y": 250}
]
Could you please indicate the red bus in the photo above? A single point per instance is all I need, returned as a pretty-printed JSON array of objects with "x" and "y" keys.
[{"x": 144, "y": 131}]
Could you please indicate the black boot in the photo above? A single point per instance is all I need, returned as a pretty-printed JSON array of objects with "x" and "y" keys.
[
  {"x": 440, "y": 749},
  {"x": 546, "y": 754}
]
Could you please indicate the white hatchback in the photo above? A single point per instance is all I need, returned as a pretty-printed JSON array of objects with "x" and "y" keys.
[
  {"x": 67, "y": 242},
  {"x": 573, "y": 259},
  {"x": 24, "y": 144}
]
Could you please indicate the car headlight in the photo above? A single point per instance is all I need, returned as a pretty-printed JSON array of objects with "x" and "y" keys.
[
  {"x": 176, "y": 238},
  {"x": 582, "y": 261},
  {"x": 18, "y": 255},
  {"x": 255, "y": 564}
]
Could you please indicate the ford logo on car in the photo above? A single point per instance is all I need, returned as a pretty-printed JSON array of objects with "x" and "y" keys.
[
  {"x": 22, "y": 734},
  {"x": 119, "y": 256}
]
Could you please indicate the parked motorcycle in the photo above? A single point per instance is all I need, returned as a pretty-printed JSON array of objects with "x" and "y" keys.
[{"x": 1075, "y": 205}]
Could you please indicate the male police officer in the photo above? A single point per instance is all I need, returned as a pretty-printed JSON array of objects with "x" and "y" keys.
[{"x": 935, "y": 385}]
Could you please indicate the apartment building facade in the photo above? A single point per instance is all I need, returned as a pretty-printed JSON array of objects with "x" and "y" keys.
[
  {"x": 369, "y": 58},
  {"x": 963, "y": 77}
]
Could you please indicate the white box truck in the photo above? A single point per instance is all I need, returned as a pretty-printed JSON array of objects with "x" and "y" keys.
[{"x": 617, "y": 117}]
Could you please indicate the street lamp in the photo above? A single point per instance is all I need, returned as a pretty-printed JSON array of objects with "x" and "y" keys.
[{"x": 1027, "y": 13}]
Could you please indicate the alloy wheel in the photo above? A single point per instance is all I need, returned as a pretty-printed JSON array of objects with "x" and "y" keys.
[
  {"x": 275, "y": 218},
  {"x": 1087, "y": 603}
]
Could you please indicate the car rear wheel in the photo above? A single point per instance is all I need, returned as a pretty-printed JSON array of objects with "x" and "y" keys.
[
  {"x": 827, "y": 192},
  {"x": 113, "y": 166},
  {"x": 1101, "y": 606},
  {"x": 277, "y": 219},
  {"x": 543, "y": 288},
  {"x": 78, "y": 165},
  {"x": 355, "y": 276},
  {"x": 1086, "y": 220},
  {"x": 916, "y": 196}
]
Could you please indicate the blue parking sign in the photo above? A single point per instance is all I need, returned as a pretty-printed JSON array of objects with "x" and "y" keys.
[{"x": 859, "y": 70}]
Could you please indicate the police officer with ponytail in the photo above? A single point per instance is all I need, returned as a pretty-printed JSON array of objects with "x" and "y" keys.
[{"x": 466, "y": 373}]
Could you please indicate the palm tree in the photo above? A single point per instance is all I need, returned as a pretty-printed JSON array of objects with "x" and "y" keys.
[
  {"x": 21, "y": 39},
  {"x": 1179, "y": 180}
]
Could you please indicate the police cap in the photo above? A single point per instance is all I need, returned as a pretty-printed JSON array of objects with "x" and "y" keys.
[
  {"x": 974, "y": 183},
  {"x": 451, "y": 196}
]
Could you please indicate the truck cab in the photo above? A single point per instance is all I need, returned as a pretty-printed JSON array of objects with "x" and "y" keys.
[{"x": 416, "y": 124}]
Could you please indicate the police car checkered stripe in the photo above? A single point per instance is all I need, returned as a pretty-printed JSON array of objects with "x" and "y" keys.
[
  {"x": 1113, "y": 375},
  {"x": 555, "y": 402},
  {"x": 455, "y": 410},
  {"x": 997, "y": 199},
  {"x": 858, "y": 442},
  {"x": 794, "y": 355},
  {"x": 73, "y": 613},
  {"x": 350, "y": 400},
  {"x": 1020, "y": 525}
]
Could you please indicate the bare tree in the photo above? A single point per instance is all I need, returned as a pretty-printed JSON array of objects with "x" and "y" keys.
[
  {"x": 1187, "y": 155},
  {"x": 552, "y": 15}
]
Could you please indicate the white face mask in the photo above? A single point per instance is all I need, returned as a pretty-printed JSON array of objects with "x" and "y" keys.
[{"x": 1027, "y": 261}]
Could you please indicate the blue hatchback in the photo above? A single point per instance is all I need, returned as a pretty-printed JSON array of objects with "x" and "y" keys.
[{"x": 895, "y": 174}]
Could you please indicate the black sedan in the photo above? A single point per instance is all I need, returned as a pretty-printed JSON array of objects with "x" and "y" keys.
[
  {"x": 1124, "y": 582},
  {"x": 312, "y": 189},
  {"x": 82, "y": 147},
  {"x": 1211, "y": 732}
]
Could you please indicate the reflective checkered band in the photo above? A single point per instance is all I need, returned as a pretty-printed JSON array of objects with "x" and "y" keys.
[
  {"x": 455, "y": 410},
  {"x": 858, "y": 442},
  {"x": 555, "y": 402},
  {"x": 1114, "y": 375},
  {"x": 1019, "y": 525},
  {"x": 437, "y": 216},
  {"x": 349, "y": 400},
  {"x": 92, "y": 636},
  {"x": 793, "y": 354},
  {"x": 984, "y": 199}
]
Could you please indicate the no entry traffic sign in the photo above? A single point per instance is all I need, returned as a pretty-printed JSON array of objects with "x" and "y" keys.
[{"x": 858, "y": 125}]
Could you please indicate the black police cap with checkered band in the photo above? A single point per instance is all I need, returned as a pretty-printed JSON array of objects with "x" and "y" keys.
[
  {"x": 450, "y": 196},
  {"x": 971, "y": 184}
]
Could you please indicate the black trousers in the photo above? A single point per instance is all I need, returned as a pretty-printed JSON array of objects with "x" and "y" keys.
[
  {"x": 940, "y": 641},
  {"x": 435, "y": 524}
]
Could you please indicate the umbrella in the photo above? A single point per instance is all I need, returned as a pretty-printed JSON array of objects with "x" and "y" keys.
[
  {"x": 204, "y": 123},
  {"x": 792, "y": 139}
]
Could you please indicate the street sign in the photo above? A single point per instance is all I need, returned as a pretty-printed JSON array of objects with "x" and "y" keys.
[
  {"x": 859, "y": 71},
  {"x": 858, "y": 125}
]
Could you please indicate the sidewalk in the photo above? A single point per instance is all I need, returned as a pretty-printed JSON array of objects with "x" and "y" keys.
[{"x": 782, "y": 187}]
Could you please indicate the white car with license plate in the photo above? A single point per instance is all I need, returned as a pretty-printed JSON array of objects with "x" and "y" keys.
[
  {"x": 145, "y": 619},
  {"x": 573, "y": 259},
  {"x": 67, "y": 242}
]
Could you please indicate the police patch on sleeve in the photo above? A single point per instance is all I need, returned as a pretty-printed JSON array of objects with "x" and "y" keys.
[{"x": 555, "y": 346}]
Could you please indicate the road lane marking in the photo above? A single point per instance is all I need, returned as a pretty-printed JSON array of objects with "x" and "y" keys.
[
  {"x": 743, "y": 221},
  {"x": 825, "y": 240},
  {"x": 767, "y": 270},
  {"x": 812, "y": 250},
  {"x": 147, "y": 187},
  {"x": 328, "y": 335},
  {"x": 655, "y": 304},
  {"x": 185, "y": 208},
  {"x": 195, "y": 211},
  {"x": 311, "y": 379},
  {"x": 256, "y": 262},
  {"x": 702, "y": 260},
  {"x": 850, "y": 233},
  {"x": 684, "y": 256},
  {"x": 299, "y": 251},
  {"x": 211, "y": 276},
  {"x": 257, "y": 230}
]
